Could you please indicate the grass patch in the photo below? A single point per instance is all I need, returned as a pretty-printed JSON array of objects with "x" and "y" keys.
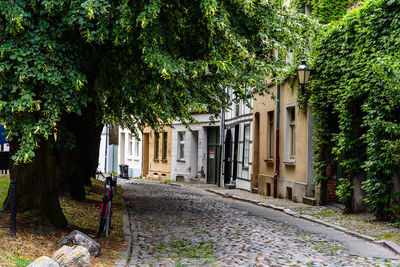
[
  {"x": 36, "y": 238},
  {"x": 4, "y": 184},
  {"x": 184, "y": 249},
  {"x": 85, "y": 217}
]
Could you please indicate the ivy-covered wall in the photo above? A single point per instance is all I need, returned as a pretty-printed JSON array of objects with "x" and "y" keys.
[
  {"x": 355, "y": 95},
  {"x": 326, "y": 11}
]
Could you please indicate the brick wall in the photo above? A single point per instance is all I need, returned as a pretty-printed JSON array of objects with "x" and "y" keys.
[{"x": 331, "y": 190}]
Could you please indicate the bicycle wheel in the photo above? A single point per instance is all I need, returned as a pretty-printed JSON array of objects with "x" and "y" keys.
[
  {"x": 108, "y": 219},
  {"x": 103, "y": 217},
  {"x": 101, "y": 227}
]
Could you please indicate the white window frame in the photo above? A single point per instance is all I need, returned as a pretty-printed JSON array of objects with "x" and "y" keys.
[
  {"x": 271, "y": 133},
  {"x": 290, "y": 134},
  {"x": 246, "y": 146},
  {"x": 130, "y": 145},
  {"x": 137, "y": 148},
  {"x": 181, "y": 146}
]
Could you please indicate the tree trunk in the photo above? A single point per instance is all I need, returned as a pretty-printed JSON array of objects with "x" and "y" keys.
[
  {"x": 37, "y": 183},
  {"x": 67, "y": 163},
  {"x": 80, "y": 161}
]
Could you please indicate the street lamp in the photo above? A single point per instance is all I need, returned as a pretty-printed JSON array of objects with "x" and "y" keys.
[{"x": 303, "y": 73}]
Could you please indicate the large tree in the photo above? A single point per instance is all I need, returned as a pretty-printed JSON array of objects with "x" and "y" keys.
[{"x": 68, "y": 66}]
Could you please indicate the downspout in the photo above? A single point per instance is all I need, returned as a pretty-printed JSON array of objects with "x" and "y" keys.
[{"x": 277, "y": 157}]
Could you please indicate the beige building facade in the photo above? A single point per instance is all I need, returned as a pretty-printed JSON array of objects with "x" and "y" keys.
[
  {"x": 282, "y": 147},
  {"x": 156, "y": 154}
]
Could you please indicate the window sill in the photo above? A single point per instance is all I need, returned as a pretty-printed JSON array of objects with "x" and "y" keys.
[
  {"x": 291, "y": 162},
  {"x": 269, "y": 160},
  {"x": 180, "y": 160},
  {"x": 164, "y": 160},
  {"x": 156, "y": 160}
]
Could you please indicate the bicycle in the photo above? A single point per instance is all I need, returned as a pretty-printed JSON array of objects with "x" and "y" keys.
[{"x": 110, "y": 190}]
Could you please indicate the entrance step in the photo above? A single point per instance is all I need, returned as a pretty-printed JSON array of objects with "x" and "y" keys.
[
  {"x": 310, "y": 200},
  {"x": 254, "y": 190},
  {"x": 230, "y": 186}
]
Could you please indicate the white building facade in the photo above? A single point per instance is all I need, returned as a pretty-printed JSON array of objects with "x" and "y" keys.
[
  {"x": 196, "y": 151},
  {"x": 237, "y": 146},
  {"x": 108, "y": 153},
  {"x": 130, "y": 152},
  {"x": 122, "y": 147}
]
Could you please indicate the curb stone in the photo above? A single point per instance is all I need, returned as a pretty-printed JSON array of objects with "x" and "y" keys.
[
  {"x": 390, "y": 245},
  {"x": 123, "y": 261},
  {"x": 386, "y": 244}
]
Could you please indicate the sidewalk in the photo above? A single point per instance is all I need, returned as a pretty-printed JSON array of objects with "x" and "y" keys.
[{"x": 362, "y": 225}]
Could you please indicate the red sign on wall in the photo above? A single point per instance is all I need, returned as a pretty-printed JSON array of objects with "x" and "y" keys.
[{"x": 211, "y": 154}]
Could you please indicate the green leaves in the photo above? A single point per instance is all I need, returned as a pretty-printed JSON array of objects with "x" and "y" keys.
[
  {"x": 138, "y": 62},
  {"x": 354, "y": 94}
]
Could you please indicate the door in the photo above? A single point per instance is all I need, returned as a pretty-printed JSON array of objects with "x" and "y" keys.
[
  {"x": 194, "y": 157},
  {"x": 235, "y": 153},
  {"x": 145, "y": 170},
  {"x": 212, "y": 155},
  {"x": 228, "y": 157},
  {"x": 256, "y": 151}
]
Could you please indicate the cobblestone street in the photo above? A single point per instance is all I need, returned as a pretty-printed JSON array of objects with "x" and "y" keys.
[{"x": 180, "y": 226}]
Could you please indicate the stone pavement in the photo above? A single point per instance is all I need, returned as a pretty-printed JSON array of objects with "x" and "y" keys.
[
  {"x": 186, "y": 226},
  {"x": 361, "y": 225}
]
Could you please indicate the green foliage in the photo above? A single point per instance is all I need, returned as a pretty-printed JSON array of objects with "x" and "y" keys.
[
  {"x": 4, "y": 184},
  {"x": 139, "y": 62},
  {"x": 326, "y": 11},
  {"x": 354, "y": 94},
  {"x": 344, "y": 189}
]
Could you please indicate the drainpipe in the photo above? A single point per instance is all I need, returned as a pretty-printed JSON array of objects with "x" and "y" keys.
[{"x": 277, "y": 158}]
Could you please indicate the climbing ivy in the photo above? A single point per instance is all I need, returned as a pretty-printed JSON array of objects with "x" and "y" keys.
[
  {"x": 354, "y": 94},
  {"x": 326, "y": 11}
]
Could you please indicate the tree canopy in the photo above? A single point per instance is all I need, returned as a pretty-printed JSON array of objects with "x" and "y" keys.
[{"x": 150, "y": 60}]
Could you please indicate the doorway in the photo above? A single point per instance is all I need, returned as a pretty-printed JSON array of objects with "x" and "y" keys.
[
  {"x": 146, "y": 162},
  {"x": 256, "y": 152},
  {"x": 212, "y": 155},
  {"x": 228, "y": 157},
  {"x": 194, "y": 157},
  {"x": 235, "y": 153}
]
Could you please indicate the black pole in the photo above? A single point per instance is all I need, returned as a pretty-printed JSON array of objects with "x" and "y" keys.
[{"x": 13, "y": 208}]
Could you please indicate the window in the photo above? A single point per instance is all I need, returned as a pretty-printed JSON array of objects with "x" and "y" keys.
[
  {"x": 289, "y": 57},
  {"x": 292, "y": 131},
  {"x": 246, "y": 146},
  {"x": 156, "y": 145},
  {"x": 130, "y": 138},
  {"x": 164, "y": 146},
  {"x": 137, "y": 147},
  {"x": 271, "y": 134},
  {"x": 181, "y": 146}
]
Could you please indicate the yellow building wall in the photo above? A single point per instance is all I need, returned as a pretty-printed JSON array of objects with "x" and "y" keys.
[
  {"x": 157, "y": 167},
  {"x": 263, "y": 165}
]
